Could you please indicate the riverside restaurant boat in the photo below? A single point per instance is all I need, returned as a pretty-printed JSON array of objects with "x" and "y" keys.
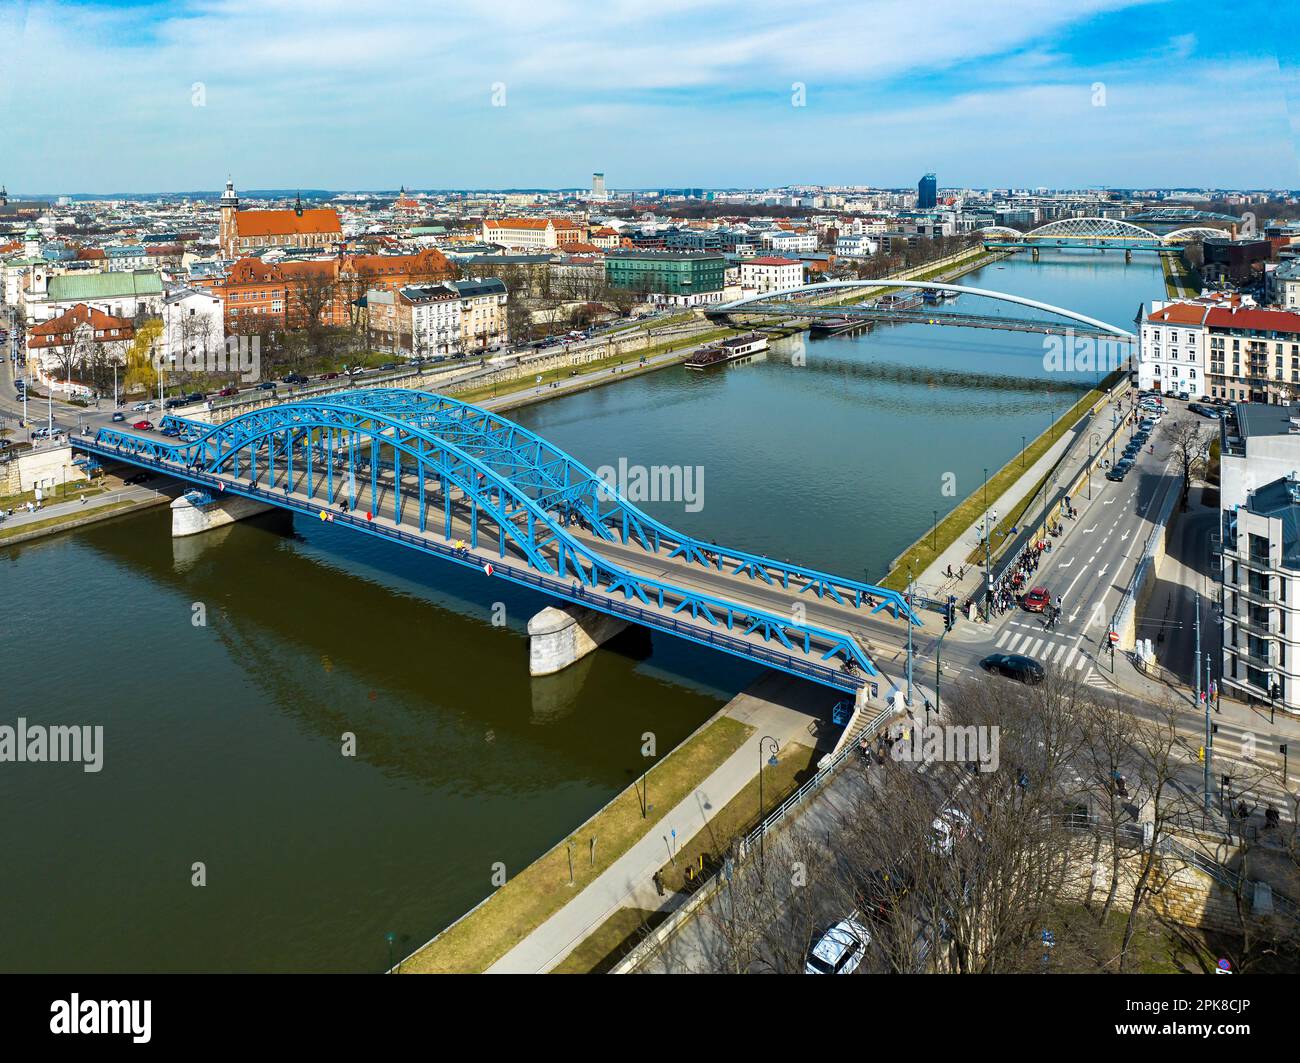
[{"x": 729, "y": 350}]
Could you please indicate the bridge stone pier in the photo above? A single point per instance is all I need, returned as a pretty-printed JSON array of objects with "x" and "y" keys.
[
  {"x": 559, "y": 637},
  {"x": 197, "y": 511}
]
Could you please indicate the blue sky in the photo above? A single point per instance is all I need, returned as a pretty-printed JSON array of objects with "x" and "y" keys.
[{"x": 339, "y": 94}]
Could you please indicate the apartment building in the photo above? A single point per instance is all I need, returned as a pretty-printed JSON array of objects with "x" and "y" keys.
[
  {"x": 1253, "y": 354},
  {"x": 1171, "y": 348},
  {"x": 533, "y": 234},
  {"x": 448, "y": 319},
  {"x": 771, "y": 274}
]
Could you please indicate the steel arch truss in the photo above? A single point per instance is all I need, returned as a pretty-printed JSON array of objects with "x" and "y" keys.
[
  {"x": 1099, "y": 229},
  {"x": 1194, "y": 232},
  {"x": 409, "y": 449}
]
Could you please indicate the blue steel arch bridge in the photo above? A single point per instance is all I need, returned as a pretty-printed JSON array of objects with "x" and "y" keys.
[{"x": 460, "y": 483}]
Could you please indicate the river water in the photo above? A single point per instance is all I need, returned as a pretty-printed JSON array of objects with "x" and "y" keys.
[{"x": 223, "y": 742}]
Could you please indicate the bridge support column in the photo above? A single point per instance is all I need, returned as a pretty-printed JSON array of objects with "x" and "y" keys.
[
  {"x": 197, "y": 511},
  {"x": 559, "y": 637},
  {"x": 1034, "y": 254},
  {"x": 1128, "y": 254}
]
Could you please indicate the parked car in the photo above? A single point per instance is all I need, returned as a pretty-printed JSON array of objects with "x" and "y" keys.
[
  {"x": 1037, "y": 600},
  {"x": 1116, "y": 474},
  {"x": 227, "y": 391},
  {"x": 839, "y": 949},
  {"x": 118, "y": 415},
  {"x": 143, "y": 426},
  {"x": 951, "y": 825},
  {"x": 142, "y": 407},
  {"x": 1185, "y": 396},
  {"x": 171, "y": 404},
  {"x": 195, "y": 396},
  {"x": 295, "y": 378},
  {"x": 1014, "y": 666}
]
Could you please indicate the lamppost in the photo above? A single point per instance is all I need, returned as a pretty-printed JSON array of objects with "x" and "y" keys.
[
  {"x": 910, "y": 596},
  {"x": 1022, "y": 452},
  {"x": 1092, "y": 454},
  {"x": 762, "y": 833}
]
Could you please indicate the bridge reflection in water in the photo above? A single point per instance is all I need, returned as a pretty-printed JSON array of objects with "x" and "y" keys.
[{"x": 468, "y": 486}]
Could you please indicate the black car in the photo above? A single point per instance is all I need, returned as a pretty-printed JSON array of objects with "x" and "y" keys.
[
  {"x": 118, "y": 415},
  {"x": 295, "y": 378},
  {"x": 1014, "y": 666},
  {"x": 172, "y": 403},
  {"x": 195, "y": 396},
  {"x": 389, "y": 365},
  {"x": 266, "y": 385},
  {"x": 1116, "y": 474}
]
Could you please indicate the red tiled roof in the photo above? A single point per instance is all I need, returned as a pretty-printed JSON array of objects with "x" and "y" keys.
[
  {"x": 254, "y": 223},
  {"x": 1263, "y": 320},
  {"x": 1179, "y": 314},
  {"x": 50, "y": 333}
]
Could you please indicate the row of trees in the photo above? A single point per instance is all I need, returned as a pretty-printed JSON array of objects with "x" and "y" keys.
[{"x": 1080, "y": 831}]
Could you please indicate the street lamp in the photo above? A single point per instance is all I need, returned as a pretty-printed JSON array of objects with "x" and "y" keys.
[
  {"x": 761, "y": 831},
  {"x": 1092, "y": 454}
]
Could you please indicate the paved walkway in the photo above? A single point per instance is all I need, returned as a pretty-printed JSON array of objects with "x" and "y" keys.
[
  {"x": 935, "y": 579},
  {"x": 788, "y": 710}
]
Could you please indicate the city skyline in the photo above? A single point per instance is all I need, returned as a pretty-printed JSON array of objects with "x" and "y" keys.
[{"x": 653, "y": 96}]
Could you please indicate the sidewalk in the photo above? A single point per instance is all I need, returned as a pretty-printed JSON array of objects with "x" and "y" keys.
[
  {"x": 74, "y": 512},
  {"x": 776, "y": 706},
  {"x": 935, "y": 580}
]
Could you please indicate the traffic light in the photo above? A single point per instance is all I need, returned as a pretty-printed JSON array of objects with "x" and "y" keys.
[{"x": 950, "y": 613}]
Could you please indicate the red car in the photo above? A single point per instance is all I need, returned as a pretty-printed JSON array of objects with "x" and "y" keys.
[
  {"x": 329, "y": 376},
  {"x": 143, "y": 426},
  {"x": 1037, "y": 600},
  {"x": 225, "y": 393}
]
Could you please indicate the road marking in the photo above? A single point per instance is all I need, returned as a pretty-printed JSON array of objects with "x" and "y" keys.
[
  {"x": 1037, "y": 646},
  {"x": 1065, "y": 564},
  {"x": 1102, "y": 571},
  {"x": 1108, "y": 502},
  {"x": 1069, "y": 660},
  {"x": 1001, "y": 639},
  {"x": 1015, "y": 639},
  {"x": 1089, "y": 531}
]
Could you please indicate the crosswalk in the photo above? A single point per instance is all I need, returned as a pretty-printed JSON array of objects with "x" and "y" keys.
[{"x": 1043, "y": 648}]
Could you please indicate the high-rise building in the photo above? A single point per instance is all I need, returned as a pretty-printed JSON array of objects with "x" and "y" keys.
[
  {"x": 598, "y": 184},
  {"x": 927, "y": 192}
]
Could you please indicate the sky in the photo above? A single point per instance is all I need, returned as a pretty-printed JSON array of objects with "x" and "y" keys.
[{"x": 342, "y": 94}]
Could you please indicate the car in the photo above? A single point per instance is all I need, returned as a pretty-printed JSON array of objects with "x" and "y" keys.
[
  {"x": 143, "y": 426},
  {"x": 838, "y": 949},
  {"x": 294, "y": 378},
  {"x": 1116, "y": 474},
  {"x": 171, "y": 404},
  {"x": 1185, "y": 396},
  {"x": 1037, "y": 600},
  {"x": 171, "y": 431},
  {"x": 389, "y": 365},
  {"x": 136, "y": 478},
  {"x": 195, "y": 396},
  {"x": 1014, "y": 666},
  {"x": 949, "y": 827},
  {"x": 118, "y": 415},
  {"x": 329, "y": 376},
  {"x": 45, "y": 433},
  {"x": 142, "y": 407},
  {"x": 266, "y": 385},
  {"x": 227, "y": 391}
]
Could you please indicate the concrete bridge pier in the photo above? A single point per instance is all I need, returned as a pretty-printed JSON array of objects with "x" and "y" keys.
[
  {"x": 559, "y": 637},
  {"x": 1034, "y": 254},
  {"x": 197, "y": 511},
  {"x": 1128, "y": 254}
]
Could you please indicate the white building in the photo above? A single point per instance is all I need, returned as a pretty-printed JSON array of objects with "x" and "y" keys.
[
  {"x": 786, "y": 241},
  {"x": 193, "y": 327},
  {"x": 771, "y": 274},
  {"x": 856, "y": 245},
  {"x": 1171, "y": 348},
  {"x": 1284, "y": 284}
]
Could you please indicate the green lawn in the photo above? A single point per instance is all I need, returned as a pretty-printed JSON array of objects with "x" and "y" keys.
[
  {"x": 610, "y": 942},
  {"x": 964, "y": 516},
  {"x": 54, "y": 522},
  {"x": 542, "y": 889}
]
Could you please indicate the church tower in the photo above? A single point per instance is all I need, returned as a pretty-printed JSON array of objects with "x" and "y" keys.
[{"x": 228, "y": 234}]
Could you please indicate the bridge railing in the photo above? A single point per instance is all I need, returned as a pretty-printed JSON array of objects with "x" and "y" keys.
[{"x": 568, "y": 591}]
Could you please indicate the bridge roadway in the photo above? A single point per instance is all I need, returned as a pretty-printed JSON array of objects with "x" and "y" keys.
[
  {"x": 876, "y": 634},
  {"x": 887, "y": 315}
]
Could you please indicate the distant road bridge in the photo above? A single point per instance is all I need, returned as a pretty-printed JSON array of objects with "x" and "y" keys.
[
  {"x": 1095, "y": 233},
  {"x": 465, "y": 485},
  {"x": 792, "y": 302}
]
